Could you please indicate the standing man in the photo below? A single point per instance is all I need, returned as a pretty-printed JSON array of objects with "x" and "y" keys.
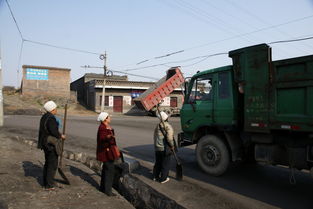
[
  {"x": 163, "y": 145},
  {"x": 49, "y": 127}
]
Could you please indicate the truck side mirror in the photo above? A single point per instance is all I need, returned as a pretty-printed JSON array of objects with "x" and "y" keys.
[
  {"x": 186, "y": 84},
  {"x": 185, "y": 88}
]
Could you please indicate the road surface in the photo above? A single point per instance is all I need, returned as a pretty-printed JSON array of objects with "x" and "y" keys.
[{"x": 134, "y": 135}]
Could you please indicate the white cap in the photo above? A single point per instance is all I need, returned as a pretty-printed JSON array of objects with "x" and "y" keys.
[
  {"x": 102, "y": 116},
  {"x": 49, "y": 106},
  {"x": 163, "y": 115}
]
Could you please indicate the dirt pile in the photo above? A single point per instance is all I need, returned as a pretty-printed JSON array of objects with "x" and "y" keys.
[{"x": 16, "y": 104}]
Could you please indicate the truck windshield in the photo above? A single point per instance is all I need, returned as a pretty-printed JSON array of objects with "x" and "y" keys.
[{"x": 201, "y": 89}]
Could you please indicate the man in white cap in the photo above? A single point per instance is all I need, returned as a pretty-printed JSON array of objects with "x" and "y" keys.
[
  {"x": 49, "y": 127},
  {"x": 163, "y": 145}
]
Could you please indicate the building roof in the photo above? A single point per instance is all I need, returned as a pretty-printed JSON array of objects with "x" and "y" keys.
[
  {"x": 45, "y": 67},
  {"x": 100, "y": 76},
  {"x": 125, "y": 84},
  {"x": 115, "y": 84}
]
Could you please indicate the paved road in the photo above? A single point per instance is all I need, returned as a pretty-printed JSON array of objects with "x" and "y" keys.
[{"x": 134, "y": 134}]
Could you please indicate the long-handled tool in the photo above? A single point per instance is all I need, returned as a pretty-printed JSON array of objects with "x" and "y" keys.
[
  {"x": 61, "y": 156},
  {"x": 179, "y": 167}
]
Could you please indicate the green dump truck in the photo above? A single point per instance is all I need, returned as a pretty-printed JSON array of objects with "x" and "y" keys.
[{"x": 256, "y": 109}]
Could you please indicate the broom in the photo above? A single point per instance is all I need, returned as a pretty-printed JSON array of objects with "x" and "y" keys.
[{"x": 61, "y": 156}]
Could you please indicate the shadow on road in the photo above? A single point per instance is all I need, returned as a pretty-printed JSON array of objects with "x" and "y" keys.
[
  {"x": 269, "y": 184},
  {"x": 33, "y": 170}
]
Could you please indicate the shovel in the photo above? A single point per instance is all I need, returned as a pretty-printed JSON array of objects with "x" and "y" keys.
[
  {"x": 61, "y": 156},
  {"x": 179, "y": 167}
]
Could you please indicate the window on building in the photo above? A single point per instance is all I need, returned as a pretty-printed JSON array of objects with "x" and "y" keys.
[
  {"x": 173, "y": 101},
  {"x": 106, "y": 101}
]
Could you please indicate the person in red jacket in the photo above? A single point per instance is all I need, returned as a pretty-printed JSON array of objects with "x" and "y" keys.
[{"x": 105, "y": 152}]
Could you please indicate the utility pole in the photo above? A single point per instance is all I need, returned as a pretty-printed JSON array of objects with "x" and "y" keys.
[
  {"x": 104, "y": 58},
  {"x": 1, "y": 95},
  {"x": 106, "y": 73}
]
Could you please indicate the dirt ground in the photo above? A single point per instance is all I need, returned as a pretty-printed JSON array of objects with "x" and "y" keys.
[{"x": 21, "y": 182}]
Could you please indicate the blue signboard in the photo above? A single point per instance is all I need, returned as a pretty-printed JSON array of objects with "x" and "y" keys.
[
  {"x": 134, "y": 94},
  {"x": 36, "y": 74}
]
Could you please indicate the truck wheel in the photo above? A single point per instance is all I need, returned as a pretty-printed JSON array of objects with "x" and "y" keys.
[{"x": 212, "y": 155}]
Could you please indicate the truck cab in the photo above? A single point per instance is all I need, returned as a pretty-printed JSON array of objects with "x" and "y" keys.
[{"x": 210, "y": 102}]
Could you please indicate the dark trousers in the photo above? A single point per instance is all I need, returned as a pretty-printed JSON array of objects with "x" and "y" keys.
[
  {"x": 50, "y": 167},
  {"x": 162, "y": 165},
  {"x": 107, "y": 176}
]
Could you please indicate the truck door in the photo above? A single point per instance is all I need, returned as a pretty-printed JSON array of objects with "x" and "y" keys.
[{"x": 197, "y": 110}]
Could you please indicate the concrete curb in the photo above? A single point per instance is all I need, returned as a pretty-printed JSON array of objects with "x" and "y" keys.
[{"x": 130, "y": 163}]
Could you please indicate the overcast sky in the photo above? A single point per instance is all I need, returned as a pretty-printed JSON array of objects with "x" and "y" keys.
[{"x": 134, "y": 31}]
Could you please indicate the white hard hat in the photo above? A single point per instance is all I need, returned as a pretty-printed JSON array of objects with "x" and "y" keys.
[
  {"x": 102, "y": 116},
  {"x": 49, "y": 106},
  {"x": 163, "y": 115}
]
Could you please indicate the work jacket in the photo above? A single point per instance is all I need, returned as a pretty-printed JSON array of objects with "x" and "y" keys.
[
  {"x": 48, "y": 127},
  {"x": 159, "y": 138},
  {"x": 105, "y": 138}
]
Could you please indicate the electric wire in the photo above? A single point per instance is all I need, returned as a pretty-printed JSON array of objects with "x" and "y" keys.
[
  {"x": 121, "y": 72},
  {"x": 291, "y": 40},
  {"x": 42, "y": 43},
  {"x": 205, "y": 57},
  {"x": 236, "y": 36},
  {"x": 18, "y": 28},
  {"x": 218, "y": 22},
  {"x": 136, "y": 75},
  {"x": 251, "y": 32},
  {"x": 169, "y": 54},
  {"x": 61, "y": 47},
  {"x": 19, "y": 63},
  {"x": 243, "y": 21},
  {"x": 246, "y": 11}
]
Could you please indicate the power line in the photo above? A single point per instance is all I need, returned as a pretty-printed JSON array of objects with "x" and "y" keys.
[
  {"x": 18, "y": 28},
  {"x": 19, "y": 63},
  {"x": 205, "y": 57},
  {"x": 246, "y": 11},
  {"x": 142, "y": 76},
  {"x": 41, "y": 43},
  {"x": 230, "y": 38},
  {"x": 121, "y": 72},
  {"x": 251, "y": 32},
  {"x": 159, "y": 57},
  {"x": 204, "y": 16},
  {"x": 291, "y": 40},
  {"x": 170, "y": 54},
  {"x": 61, "y": 47},
  {"x": 222, "y": 25}
]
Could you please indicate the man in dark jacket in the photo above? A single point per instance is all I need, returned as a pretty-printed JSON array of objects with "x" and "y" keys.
[{"x": 49, "y": 127}]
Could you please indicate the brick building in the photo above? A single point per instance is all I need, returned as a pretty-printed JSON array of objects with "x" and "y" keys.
[
  {"x": 119, "y": 93},
  {"x": 48, "y": 81}
]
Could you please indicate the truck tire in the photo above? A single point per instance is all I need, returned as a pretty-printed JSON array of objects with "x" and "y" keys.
[{"x": 212, "y": 155}]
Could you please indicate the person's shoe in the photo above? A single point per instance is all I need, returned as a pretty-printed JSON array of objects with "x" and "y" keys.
[
  {"x": 164, "y": 181},
  {"x": 60, "y": 186},
  {"x": 111, "y": 194},
  {"x": 50, "y": 188}
]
